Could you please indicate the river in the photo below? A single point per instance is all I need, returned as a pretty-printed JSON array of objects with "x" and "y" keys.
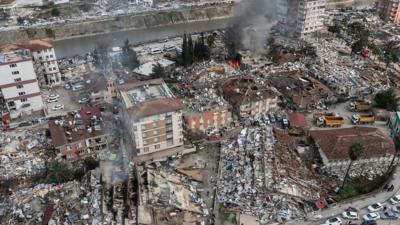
[{"x": 81, "y": 45}]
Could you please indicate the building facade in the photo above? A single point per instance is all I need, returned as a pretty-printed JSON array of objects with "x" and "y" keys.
[
  {"x": 200, "y": 122},
  {"x": 333, "y": 145},
  {"x": 302, "y": 17},
  {"x": 79, "y": 136},
  {"x": 248, "y": 97},
  {"x": 152, "y": 115},
  {"x": 389, "y": 10},
  {"x": 18, "y": 83}
]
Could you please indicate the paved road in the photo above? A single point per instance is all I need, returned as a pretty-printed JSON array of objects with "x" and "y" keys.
[{"x": 362, "y": 203}]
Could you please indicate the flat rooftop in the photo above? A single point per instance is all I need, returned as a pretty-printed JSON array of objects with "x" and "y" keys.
[
  {"x": 14, "y": 56},
  {"x": 147, "y": 98}
]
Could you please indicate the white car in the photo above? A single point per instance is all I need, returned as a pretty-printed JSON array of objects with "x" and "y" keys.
[
  {"x": 83, "y": 100},
  {"x": 395, "y": 200},
  {"x": 350, "y": 215},
  {"x": 396, "y": 209},
  {"x": 371, "y": 216},
  {"x": 58, "y": 107},
  {"x": 77, "y": 87},
  {"x": 333, "y": 221},
  {"x": 375, "y": 207},
  {"x": 53, "y": 96},
  {"x": 51, "y": 100}
]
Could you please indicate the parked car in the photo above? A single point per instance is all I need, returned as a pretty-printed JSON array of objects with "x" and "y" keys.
[
  {"x": 77, "y": 87},
  {"x": 375, "y": 207},
  {"x": 396, "y": 209},
  {"x": 83, "y": 100},
  {"x": 395, "y": 200},
  {"x": 351, "y": 209},
  {"x": 58, "y": 107},
  {"x": 369, "y": 222},
  {"x": 54, "y": 96},
  {"x": 51, "y": 100},
  {"x": 388, "y": 216},
  {"x": 372, "y": 216},
  {"x": 272, "y": 117},
  {"x": 67, "y": 86},
  {"x": 333, "y": 221},
  {"x": 350, "y": 215}
]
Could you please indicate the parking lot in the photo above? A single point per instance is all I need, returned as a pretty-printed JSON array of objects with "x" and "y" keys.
[{"x": 67, "y": 98}]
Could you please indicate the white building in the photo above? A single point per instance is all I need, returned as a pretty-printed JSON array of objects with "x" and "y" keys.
[
  {"x": 45, "y": 60},
  {"x": 303, "y": 16},
  {"x": 153, "y": 116},
  {"x": 18, "y": 83}
]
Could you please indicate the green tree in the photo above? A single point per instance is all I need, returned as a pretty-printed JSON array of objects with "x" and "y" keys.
[
  {"x": 50, "y": 33},
  {"x": 335, "y": 28},
  {"x": 59, "y": 172},
  {"x": 386, "y": 100},
  {"x": 357, "y": 46},
  {"x": 55, "y": 12},
  {"x": 190, "y": 50},
  {"x": 389, "y": 53},
  {"x": 129, "y": 58},
  {"x": 185, "y": 51},
  {"x": 91, "y": 163},
  {"x": 355, "y": 151},
  {"x": 158, "y": 71}
]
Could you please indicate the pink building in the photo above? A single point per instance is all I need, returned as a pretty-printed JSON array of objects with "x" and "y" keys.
[{"x": 389, "y": 10}]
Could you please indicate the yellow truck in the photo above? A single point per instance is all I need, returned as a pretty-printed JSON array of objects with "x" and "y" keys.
[
  {"x": 363, "y": 119},
  {"x": 360, "y": 106},
  {"x": 331, "y": 119}
]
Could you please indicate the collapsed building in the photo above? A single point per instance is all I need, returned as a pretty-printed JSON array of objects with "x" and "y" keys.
[
  {"x": 334, "y": 145},
  {"x": 79, "y": 134},
  {"x": 153, "y": 115},
  {"x": 249, "y": 96}
]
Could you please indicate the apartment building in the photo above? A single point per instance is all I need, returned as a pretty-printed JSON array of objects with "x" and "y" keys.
[
  {"x": 45, "y": 59},
  {"x": 80, "y": 135},
  {"x": 389, "y": 10},
  {"x": 153, "y": 115},
  {"x": 18, "y": 83},
  {"x": 302, "y": 17},
  {"x": 248, "y": 97}
]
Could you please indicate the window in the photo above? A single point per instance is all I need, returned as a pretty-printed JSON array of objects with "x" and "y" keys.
[
  {"x": 170, "y": 142},
  {"x": 13, "y": 65},
  {"x": 54, "y": 68},
  {"x": 49, "y": 69},
  {"x": 51, "y": 56},
  {"x": 47, "y": 56},
  {"x": 20, "y": 86},
  {"x": 146, "y": 149},
  {"x": 40, "y": 57},
  {"x": 144, "y": 135},
  {"x": 155, "y": 132},
  {"x": 21, "y": 93},
  {"x": 15, "y": 72},
  {"x": 156, "y": 146},
  {"x": 144, "y": 142},
  {"x": 156, "y": 139},
  {"x": 17, "y": 79},
  {"x": 11, "y": 104},
  {"x": 154, "y": 125}
]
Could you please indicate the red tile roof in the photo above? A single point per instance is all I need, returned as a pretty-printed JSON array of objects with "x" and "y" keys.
[
  {"x": 297, "y": 119},
  {"x": 59, "y": 132},
  {"x": 335, "y": 143}
]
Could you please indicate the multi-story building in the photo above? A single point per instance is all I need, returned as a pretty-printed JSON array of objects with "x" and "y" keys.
[
  {"x": 18, "y": 83},
  {"x": 389, "y": 10},
  {"x": 206, "y": 111},
  {"x": 153, "y": 115},
  {"x": 45, "y": 59},
  {"x": 303, "y": 17},
  {"x": 78, "y": 136},
  {"x": 378, "y": 155},
  {"x": 249, "y": 97}
]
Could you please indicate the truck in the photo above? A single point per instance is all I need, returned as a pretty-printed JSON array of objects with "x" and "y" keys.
[
  {"x": 363, "y": 119},
  {"x": 360, "y": 106},
  {"x": 333, "y": 121}
]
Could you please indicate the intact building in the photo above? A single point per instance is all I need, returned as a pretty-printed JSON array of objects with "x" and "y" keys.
[
  {"x": 303, "y": 17},
  {"x": 18, "y": 83},
  {"x": 80, "y": 135},
  {"x": 248, "y": 97},
  {"x": 153, "y": 115},
  {"x": 389, "y": 10},
  {"x": 334, "y": 146}
]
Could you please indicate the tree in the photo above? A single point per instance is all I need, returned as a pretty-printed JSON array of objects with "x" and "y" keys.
[
  {"x": 389, "y": 54},
  {"x": 357, "y": 46},
  {"x": 129, "y": 58},
  {"x": 185, "y": 51},
  {"x": 55, "y": 12},
  {"x": 355, "y": 151},
  {"x": 91, "y": 163},
  {"x": 190, "y": 50},
  {"x": 20, "y": 20},
  {"x": 210, "y": 40},
  {"x": 158, "y": 71},
  {"x": 59, "y": 172},
  {"x": 50, "y": 33},
  {"x": 335, "y": 28},
  {"x": 386, "y": 100}
]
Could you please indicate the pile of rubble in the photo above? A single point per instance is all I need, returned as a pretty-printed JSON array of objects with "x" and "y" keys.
[
  {"x": 242, "y": 180},
  {"x": 168, "y": 197}
]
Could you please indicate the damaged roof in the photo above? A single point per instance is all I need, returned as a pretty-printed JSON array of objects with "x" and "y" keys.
[
  {"x": 68, "y": 130},
  {"x": 245, "y": 90},
  {"x": 335, "y": 143},
  {"x": 33, "y": 45}
]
